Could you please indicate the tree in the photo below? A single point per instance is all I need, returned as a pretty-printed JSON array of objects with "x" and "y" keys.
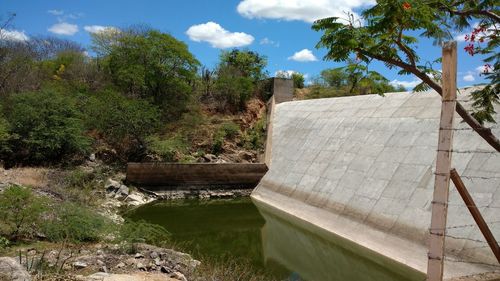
[
  {"x": 387, "y": 37},
  {"x": 154, "y": 66},
  {"x": 45, "y": 127},
  {"x": 247, "y": 63}
]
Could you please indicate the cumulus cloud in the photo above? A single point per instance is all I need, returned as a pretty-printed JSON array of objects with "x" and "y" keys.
[
  {"x": 64, "y": 28},
  {"x": 406, "y": 84},
  {"x": 13, "y": 35},
  {"x": 469, "y": 78},
  {"x": 98, "y": 28},
  {"x": 303, "y": 10},
  {"x": 485, "y": 35},
  {"x": 217, "y": 36},
  {"x": 304, "y": 55}
]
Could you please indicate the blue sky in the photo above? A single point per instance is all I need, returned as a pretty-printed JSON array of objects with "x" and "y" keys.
[{"x": 278, "y": 29}]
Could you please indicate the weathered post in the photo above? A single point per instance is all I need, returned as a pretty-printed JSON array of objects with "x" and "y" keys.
[{"x": 443, "y": 164}]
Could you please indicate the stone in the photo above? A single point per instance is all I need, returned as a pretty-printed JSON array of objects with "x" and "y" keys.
[
  {"x": 79, "y": 265},
  {"x": 153, "y": 255},
  {"x": 139, "y": 256},
  {"x": 157, "y": 261},
  {"x": 210, "y": 157},
  {"x": 135, "y": 199},
  {"x": 179, "y": 276},
  {"x": 10, "y": 269},
  {"x": 140, "y": 266},
  {"x": 166, "y": 269},
  {"x": 120, "y": 265},
  {"x": 92, "y": 157}
]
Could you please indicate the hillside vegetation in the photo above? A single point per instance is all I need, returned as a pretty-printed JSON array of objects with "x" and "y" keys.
[{"x": 140, "y": 96}]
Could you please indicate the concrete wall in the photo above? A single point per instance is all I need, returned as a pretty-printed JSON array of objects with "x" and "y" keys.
[
  {"x": 282, "y": 89},
  {"x": 362, "y": 167},
  {"x": 165, "y": 176}
]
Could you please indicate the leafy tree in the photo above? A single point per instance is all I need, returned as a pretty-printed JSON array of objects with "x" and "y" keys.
[
  {"x": 45, "y": 127},
  {"x": 122, "y": 121},
  {"x": 334, "y": 77},
  {"x": 154, "y": 66},
  {"x": 232, "y": 90},
  {"x": 298, "y": 78},
  {"x": 387, "y": 36},
  {"x": 247, "y": 63},
  {"x": 20, "y": 212}
]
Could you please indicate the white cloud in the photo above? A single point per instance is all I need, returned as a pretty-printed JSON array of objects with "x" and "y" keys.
[
  {"x": 303, "y": 56},
  {"x": 485, "y": 35},
  {"x": 406, "y": 84},
  {"x": 13, "y": 35},
  {"x": 98, "y": 28},
  {"x": 64, "y": 28},
  {"x": 469, "y": 78},
  {"x": 482, "y": 69},
  {"x": 56, "y": 12},
  {"x": 303, "y": 10},
  {"x": 267, "y": 41},
  {"x": 217, "y": 36}
]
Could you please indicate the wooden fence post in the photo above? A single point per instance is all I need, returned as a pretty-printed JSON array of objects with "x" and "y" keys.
[{"x": 443, "y": 164}]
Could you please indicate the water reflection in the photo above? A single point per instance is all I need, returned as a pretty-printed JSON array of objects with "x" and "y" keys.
[{"x": 323, "y": 258}]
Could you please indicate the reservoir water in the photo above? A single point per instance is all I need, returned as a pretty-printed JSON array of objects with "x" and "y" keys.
[{"x": 237, "y": 229}]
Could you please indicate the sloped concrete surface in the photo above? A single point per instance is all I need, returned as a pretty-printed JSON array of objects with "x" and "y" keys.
[{"x": 362, "y": 167}]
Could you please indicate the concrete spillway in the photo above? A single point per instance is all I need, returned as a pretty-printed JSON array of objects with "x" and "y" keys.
[{"x": 361, "y": 169}]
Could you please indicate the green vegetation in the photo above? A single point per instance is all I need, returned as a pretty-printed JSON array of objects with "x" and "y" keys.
[{"x": 144, "y": 232}]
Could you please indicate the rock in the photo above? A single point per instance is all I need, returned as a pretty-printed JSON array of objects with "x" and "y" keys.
[
  {"x": 110, "y": 183},
  {"x": 153, "y": 255},
  {"x": 79, "y": 265},
  {"x": 166, "y": 269},
  {"x": 158, "y": 261},
  {"x": 120, "y": 265},
  {"x": 140, "y": 266},
  {"x": 10, "y": 269},
  {"x": 210, "y": 157},
  {"x": 179, "y": 276},
  {"x": 122, "y": 192},
  {"x": 135, "y": 199},
  {"x": 139, "y": 256},
  {"x": 103, "y": 269},
  {"x": 92, "y": 157}
]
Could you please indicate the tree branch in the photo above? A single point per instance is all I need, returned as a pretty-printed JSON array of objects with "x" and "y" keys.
[{"x": 484, "y": 132}]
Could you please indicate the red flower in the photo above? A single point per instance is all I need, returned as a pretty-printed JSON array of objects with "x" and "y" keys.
[{"x": 406, "y": 6}]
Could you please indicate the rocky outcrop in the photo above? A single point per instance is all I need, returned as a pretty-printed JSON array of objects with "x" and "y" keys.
[{"x": 10, "y": 269}]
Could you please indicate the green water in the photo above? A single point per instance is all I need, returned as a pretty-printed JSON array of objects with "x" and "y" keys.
[{"x": 235, "y": 229}]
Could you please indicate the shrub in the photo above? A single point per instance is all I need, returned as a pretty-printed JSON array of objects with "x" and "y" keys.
[
  {"x": 4, "y": 242},
  {"x": 170, "y": 149},
  {"x": 45, "y": 127},
  {"x": 255, "y": 137},
  {"x": 123, "y": 122},
  {"x": 232, "y": 90},
  {"x": 230, "y": 129},
  {"x": 71, "y": 222},
  {"x": 20, "y": 212}
]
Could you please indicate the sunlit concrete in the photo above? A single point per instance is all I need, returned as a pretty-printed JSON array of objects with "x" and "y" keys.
[{"x": 362, "y": 168}]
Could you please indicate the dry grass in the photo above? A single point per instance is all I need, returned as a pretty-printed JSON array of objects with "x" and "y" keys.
[{"x": 33, "y": 177}]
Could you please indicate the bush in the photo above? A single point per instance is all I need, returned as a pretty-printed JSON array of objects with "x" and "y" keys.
[
  {"x": 44, "y": 127},
  {"x": 4, "y": 242},
  {"x": 255, "y": 137},
  {"x": 232, "y": 90},
  {"x": 170, "y": 149},
  {"x": 71, "y": 222},
  {"x": 20, "y": 212},
  {"x": 230, "y": 129},
  {"x": 144, "y": 232},
  {"x": 122, "y": 122}
]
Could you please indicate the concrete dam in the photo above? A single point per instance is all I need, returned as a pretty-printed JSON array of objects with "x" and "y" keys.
[{"x": 359, "y": 172}]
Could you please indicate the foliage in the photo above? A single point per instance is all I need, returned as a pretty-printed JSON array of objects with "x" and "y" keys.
[
  {"x": 232, "y": 90},
  {"x": 4, "y": 242},
  {"x": 169, "y": 149},
  {"x": 123, "y": 122},
  {"x": 255, "y": 137},
  {"x": 45, "y": 127},
  {"x": 154, "y": 66},
  {"x": 298, "y": 80},
  {"x": 4, "y": 134},
  {"x": 230, "y": 129},
  {"x": 387, "y": 37},
  {"x": 20, "y": 212},
  {"x": 227, "y": 130},
  {"x": 144, "y": 232},
  {"x": 74, "y": 223},
  {"x": 245, "y": 63}
]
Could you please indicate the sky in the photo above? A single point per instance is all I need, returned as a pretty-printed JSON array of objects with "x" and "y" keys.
[{"x": 278, "y": 29}]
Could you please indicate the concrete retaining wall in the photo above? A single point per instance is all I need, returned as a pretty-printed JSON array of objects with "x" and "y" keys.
[
  {"x": 362, "y": 167},
  {"x": 166, "y": 176}
]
